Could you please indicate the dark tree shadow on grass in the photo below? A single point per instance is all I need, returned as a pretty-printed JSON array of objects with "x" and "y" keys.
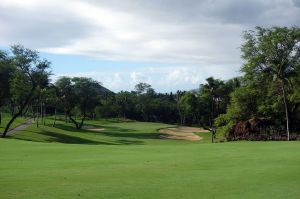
[
  {"x": 123, "y": 133},
  {"x": 72, "y": 129},
  {"x": 68, "y": 139},
  {"x": 112, "y": 131},
  {"x": 61, "y": 138},
  {"x": 51, "y": 136}
]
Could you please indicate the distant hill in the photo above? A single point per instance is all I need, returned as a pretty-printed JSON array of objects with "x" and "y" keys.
[{"x": 103, "y": 90}]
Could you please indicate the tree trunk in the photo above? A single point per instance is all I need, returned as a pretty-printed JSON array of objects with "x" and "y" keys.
[
  {"x": 19, "y": 112},
  {"x": 74, "y": 122},
  {"x": 212, "y": 113},
  {"x": 9, "y": 123},
  {"x": 0, "y": 117},
  {"x": 32, "y": 112},
  {"x": 44, "y": 114},
  {"x": 12, "y": 108},
  {"x": 82, "y": 120},
  {"x": 66, "y": 117},
  {"x": 54, "y": 117},
  {"x": 286, "y": 110},
  {"x": 25, "y": 112},
  {"x": 37, "y": 117},
  {"x": 77, "y": 124}
]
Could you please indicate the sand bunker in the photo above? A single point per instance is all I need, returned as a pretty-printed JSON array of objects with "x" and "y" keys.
[
  {"x": 93, "y": 128},
  {"x": 182, "y": 133}
]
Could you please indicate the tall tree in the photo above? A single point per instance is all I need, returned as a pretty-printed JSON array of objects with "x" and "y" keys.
[
  {"x": 273, "y": 54},
  {"x": 65, "y": 94},
  {"x": 78, "y": 93},
  {"x": 144, "y": 100},
  {"x": 214, "y": 90},
  {"x": 87, "y": 95},
  {"x": 188, "y": 106},
  {"x": 31, "y": 73},
  {"x": 124, "y": 103},
  {"x": 143, "y": 88},
  {"x": 6, "y": 72}
]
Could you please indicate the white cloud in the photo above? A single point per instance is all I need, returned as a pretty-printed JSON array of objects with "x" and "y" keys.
[
  {"x": 195, "y": 38},
  {"x": 200, "y": 32},
  {"x": 162, "y": 79},
  {"x": 136, "y": 77}
]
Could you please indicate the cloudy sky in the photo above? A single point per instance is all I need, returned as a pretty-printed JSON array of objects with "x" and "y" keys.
[{"x": 170, "y": 44}]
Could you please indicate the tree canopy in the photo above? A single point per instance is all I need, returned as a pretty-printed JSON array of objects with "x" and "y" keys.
[{"x": 267, "y": 90}]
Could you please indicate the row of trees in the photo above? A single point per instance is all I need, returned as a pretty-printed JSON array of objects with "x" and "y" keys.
[
  {"x": 197, "y": 107},
  {"x": 25, "y": 88},
  {"x": 269, "y": 88}
]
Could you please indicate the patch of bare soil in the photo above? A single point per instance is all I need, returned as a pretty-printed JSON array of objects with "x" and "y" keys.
[{"x": 182, "y": 133}]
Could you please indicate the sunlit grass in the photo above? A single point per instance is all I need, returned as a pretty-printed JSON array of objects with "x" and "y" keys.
[{"x": 128, "y": 160}]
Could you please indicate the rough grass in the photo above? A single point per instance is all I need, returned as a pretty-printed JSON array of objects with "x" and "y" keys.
[{"x": 126, "y": 160}]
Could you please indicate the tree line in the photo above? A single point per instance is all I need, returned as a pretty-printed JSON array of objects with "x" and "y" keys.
[{"x": 268, "y": 89}]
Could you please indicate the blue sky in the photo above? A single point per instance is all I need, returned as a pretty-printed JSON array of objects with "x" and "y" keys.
[
  {"x": 123, "y": 75},
  {"x": 170, "y": 44}
]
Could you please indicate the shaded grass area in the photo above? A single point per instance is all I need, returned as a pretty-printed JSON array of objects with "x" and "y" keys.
[
  {"x": 226, "y": 170},
  {"x": 114, "y": 133},
  {"x": 5, "y": 119}
]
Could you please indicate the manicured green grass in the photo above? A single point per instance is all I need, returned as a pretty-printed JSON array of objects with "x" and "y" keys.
[
  {"x": 114, "y": 133},
  {"x": 127, "y": 160}
]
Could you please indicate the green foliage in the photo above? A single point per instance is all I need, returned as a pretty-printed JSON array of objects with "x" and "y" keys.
[
  {"x": 29, "y": 74},
  {"x": 6, "y": 73},
  {"x": 214, "y": 97},
  {"x": 107, "y": 107},
  {"x": 86, "y": 93},
  {"x": 65, "y": 93},
  {"x": 78, "y": 95},
  {"x": 20, "y": 86},
  {"x": 271, "y": 52},
  {"x": 142, "y": 87},
  {"x": 224, "y": 122},
  {"x": 188, "y": 105},
  {"x": 269, "y": 88},
  {"x": 243, "y": 104},
  {"x": 144, "y": 106},
  {"x": 270, "y": 85},
  {"x": 186, "y": 108}
]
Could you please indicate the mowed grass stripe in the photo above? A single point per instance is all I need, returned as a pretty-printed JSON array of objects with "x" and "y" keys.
[{"x": 154, "y": 169}]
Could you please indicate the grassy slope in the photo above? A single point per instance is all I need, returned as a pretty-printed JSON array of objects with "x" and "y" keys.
[
  {"x": 126, "y": 161},
  {"x": 115, "y": 133},
  {"x": 5, "y": 120}
]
